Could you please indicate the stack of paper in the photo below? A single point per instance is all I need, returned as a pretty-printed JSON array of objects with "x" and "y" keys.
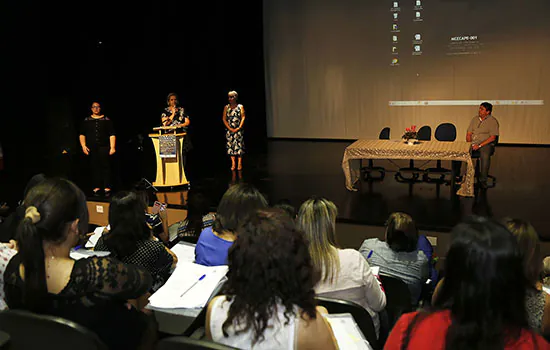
[
  {"x": 347, "y": 333},
  {"x": 186, "y": 289}
]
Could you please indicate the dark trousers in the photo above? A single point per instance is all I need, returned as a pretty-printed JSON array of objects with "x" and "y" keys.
[
  {"x": 101, "y": 167},
  {"x": 484, "y": 155}
]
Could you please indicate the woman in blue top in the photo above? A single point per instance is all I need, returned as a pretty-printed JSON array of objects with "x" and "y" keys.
[{"x": 236, "y": 205}]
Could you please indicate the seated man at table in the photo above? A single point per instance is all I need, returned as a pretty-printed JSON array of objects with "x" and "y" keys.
[{"x": 482, "y": 133}]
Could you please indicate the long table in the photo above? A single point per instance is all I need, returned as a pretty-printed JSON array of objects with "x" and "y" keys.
[{"x": 397, "y": 149}]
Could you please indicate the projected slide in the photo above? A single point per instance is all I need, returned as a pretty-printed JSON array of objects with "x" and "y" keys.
[
  {"x": 428, "y": 36},
  {"x": 339, "y": 69}
]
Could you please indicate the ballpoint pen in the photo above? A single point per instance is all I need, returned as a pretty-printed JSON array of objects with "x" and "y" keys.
[{"x": 197, "y": 281}]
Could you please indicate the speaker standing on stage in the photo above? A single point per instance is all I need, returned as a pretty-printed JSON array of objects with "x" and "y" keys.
[
  {"x": 98, "y": 140},
  {"x": 233, "y": 118},
  {"x": 174, "y": 115}
]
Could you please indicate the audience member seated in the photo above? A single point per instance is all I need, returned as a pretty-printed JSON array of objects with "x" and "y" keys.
[
  {"x": 8, "y": 228},
  {"x": 479, "y": 304},
  {"x": 285, "y": 205},
  {"x": 92, "y": 292},
  {"x": 398, "y": 256},
  {"x": 198, "y": 218},
  {"x": 344, "y": 273},
  {"x": 269, "y": 300},
  {"x": 236, "y": 205},
  {"x": 537, "y": 302},
  {"x": 131, "y": 241}
]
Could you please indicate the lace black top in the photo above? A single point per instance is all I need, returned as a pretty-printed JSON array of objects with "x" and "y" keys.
[
  {"x": 149, "y": 254},
  {"x": 95, "y": 297}
]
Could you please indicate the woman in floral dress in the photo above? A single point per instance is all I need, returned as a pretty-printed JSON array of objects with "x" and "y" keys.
[{"x": 233, "y": 118}]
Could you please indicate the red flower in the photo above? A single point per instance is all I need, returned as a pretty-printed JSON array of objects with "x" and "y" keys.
[{"x": 407, "y": 129}]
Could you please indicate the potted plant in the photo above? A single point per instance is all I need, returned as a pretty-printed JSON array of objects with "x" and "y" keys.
[{"x": 410, "y": 135}]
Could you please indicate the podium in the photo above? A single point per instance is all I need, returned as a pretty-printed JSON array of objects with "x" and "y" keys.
[{"x": 170, "y": 171}]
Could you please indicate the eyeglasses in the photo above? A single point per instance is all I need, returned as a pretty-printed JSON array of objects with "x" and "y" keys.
[
  {"x": 231, "y": 96},
  {"x": 96, "y": 106}
]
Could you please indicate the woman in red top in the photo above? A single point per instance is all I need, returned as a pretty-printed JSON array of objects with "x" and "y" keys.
[{"x": 481, "y": 302}]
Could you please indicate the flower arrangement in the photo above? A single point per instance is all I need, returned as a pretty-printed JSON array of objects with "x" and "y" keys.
[{"x": 410, "y": 133}]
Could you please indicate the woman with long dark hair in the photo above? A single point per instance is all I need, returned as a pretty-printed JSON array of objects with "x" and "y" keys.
[
  {"x": 480, "y": 304},
  {"x": 92, "y": 292},
  {"x": 237, "y": 203},
  {"x": 131, "y": 240},
  {"x": 198, "y": 218},
  {"x": 269, "y": 300}
]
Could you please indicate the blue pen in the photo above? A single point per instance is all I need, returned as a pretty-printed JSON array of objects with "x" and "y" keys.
[
  {"x": 77, "y": 247},
  {"x": 370, "y": 254},
  {"x": 197, "y": 281}
]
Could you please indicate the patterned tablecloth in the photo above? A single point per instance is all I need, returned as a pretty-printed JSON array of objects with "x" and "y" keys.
[{"x": 397, "y": 149}]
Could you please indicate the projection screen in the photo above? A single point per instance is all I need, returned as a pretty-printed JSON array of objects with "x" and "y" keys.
[{"x": 346, "y": 69}]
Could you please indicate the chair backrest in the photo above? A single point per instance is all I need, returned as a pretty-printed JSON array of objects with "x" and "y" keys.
[
  {"x": 360, "y": 315},
  {"x": 398, "y": 298},
  {"x": 424, "y": 133},
  {"x": 32, "y": 331},
  {"x": 445, "y": 132},
  {"x": 384, "y": 134},
  {"x": 180, "y": 343}
]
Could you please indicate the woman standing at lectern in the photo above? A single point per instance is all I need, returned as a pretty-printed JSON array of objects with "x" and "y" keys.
[
  {"x": 174, "y": 115},
  {"x": 233, "y": 118}
]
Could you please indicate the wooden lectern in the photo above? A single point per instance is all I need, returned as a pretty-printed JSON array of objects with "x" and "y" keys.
[{"x": 170, "y": 172}]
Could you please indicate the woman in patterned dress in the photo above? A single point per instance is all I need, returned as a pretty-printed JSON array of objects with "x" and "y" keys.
[
  {"x": 174, "y": 115},
  {"x": 233, "y": 118}
]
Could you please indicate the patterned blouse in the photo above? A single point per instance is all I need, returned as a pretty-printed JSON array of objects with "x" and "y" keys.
[
  {"x": 534, "y": 305},
  {"x": 95, "y": 297},
  {"x": 179, "y": 117},
  {"x": 150, "y": 255}
]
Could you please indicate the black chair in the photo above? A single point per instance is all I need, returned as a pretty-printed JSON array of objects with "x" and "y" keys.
[
  {"x": 4, "y": 340},
  {"x": 200, "y": 320},
  {"x": 411, "y": 174},
  {"x": 476, "y": 155},
  {"x": 32, "y": 331},
  {"x": 398, "y": 302},
  {"x": 359, "y": 314},
  {"x": 182, "y": 343},
  {"x": 445, "y": 132},
  {"x": 367, "y": 171}
]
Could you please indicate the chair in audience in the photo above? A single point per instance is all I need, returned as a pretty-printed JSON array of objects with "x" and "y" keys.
[
  {"x": 445, "y": 132},
  {"x": 367, "y": 171},
  {"x": 181, "y": 343},
  {"x": 398, "y": 302},
  {"x": 476, "y": 155},
  {"x": 33, "y": 331},
  {"x": 4, "y": 340},
  {"x": 412, "y": 173},
  {"x": 359, "y": 314}
]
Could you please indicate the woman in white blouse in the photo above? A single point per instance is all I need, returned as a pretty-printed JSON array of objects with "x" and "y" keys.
[{"x": 345, "y": 274}]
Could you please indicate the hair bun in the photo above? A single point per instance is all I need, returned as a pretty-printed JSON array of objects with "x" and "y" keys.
[{"x": 33, "y": 214}]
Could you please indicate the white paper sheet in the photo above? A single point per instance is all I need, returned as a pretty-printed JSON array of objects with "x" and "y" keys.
[
  {"x": 92, "y": 241},
  {"x": 347, "y": 333},
  {"x": 84, "y": 253},
  {"x": 184, "y": 251},
  {"x": 184, "y": 276}
]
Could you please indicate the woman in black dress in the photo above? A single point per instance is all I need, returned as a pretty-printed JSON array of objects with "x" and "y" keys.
[
  {"x": 98, "y": 141},
  {"x": 93, "y": 292}
]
